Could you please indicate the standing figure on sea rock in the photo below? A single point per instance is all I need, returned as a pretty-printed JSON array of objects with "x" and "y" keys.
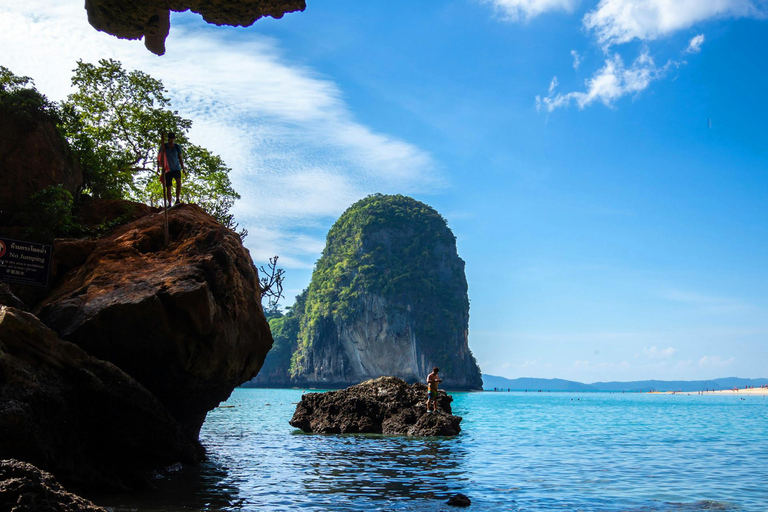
[
  {"x": 432, "y": 381},
  {"x": 171, "y": 163}
]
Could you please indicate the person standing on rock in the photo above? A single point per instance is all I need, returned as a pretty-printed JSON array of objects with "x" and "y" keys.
[
  {"x": 433, "y": 379},
  {"x": 171, "y": 164}
]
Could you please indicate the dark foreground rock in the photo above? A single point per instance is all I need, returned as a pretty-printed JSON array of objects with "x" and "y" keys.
[
  {"x": 24, "y": 488},
  {"x": 386, "y": 405},
  {"x": 82, "y": 419},
  {"x": 33, "y": 157},
  {"x": 184, "y": 320},
  {"x": 459, "y": 500}
]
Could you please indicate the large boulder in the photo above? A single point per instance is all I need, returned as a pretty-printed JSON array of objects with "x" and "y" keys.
[
  {"x": 24, "y": 488},
  {"x": 185, "y": 320},
  {"x": 386, "y": 405},
  {"x": 82, "y": 419},
  {"x": 33, "y": 157},
  {"x": 151, "y": 18}
]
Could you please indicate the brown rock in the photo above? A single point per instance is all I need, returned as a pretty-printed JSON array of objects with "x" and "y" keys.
[
  {"x": 100, "y": 212},
  {"x": 150, "y": 18},
  {"x": 24, "y": 488},
  {"x": 184, "y": 320},
  {"x": 386, "y": 405},
  {"x": 82, "y": 419},
  {"x": 33, "y": 156},
  {"x": 7, "y": 298}
]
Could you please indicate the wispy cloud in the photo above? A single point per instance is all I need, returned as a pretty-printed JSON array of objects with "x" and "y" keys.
[
  {"x": 613, "y": 81},
  {"x": 576, "y": 59},
  {"x": 298, "y": 154},
  {"x": 621, "y": 21},
  {"x": 614, "y": 22},
  {"x": 517, "y": 10},
  {"x": 715, "y": 362},
  {"x": 660, "y": 353},
  {"x": 706, "y": 302},
  {"x": 694, "y": 45}
]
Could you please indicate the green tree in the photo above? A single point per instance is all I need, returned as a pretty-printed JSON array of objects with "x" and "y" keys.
[{"x": 114, "y": 122}]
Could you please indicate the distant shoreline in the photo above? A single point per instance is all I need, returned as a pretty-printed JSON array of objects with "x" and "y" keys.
[{"x": 732, "y": 392}]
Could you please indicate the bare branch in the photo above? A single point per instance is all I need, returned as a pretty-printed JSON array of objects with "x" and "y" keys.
[{"x": 271, "y": 283}]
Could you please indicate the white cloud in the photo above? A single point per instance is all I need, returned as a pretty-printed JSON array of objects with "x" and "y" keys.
[
  {"x": 715, "y": 362},
  {"x": 553, "y": 85},
  {"x": 516, "y": 10},
  {"x": 576, "y": 59},
  {"x": 620, "y": 21},
  {"x": 527, "y": 364},
  {"x": 613, "y": 81},
  {"x": 299, "y": 156},
  {"x": 694, "y": 46},
  {"x": 657, "y": 353}
]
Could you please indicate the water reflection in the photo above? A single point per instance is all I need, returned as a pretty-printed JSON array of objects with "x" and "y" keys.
[
  {"x": 206, "y": 487},
  {"x": 385, "y": 468}
]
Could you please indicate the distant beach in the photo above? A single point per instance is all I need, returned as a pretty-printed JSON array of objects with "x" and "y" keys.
[{"x": 737, "y": 391}]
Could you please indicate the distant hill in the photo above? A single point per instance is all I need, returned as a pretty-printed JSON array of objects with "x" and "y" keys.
[{"x": 492, "y": 381}]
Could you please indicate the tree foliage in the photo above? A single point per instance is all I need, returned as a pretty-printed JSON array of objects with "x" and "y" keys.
[{"x": 114, "y": 121}]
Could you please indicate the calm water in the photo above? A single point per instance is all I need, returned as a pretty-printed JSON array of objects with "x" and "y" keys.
[{"x": 517, "y": 451}]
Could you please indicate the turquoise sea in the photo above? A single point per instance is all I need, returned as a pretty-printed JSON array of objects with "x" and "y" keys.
[{"x": 517, "y": 451}]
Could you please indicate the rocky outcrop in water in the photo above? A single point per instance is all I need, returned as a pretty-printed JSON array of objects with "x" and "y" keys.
[
  {"x": 24, "y": 488},
  {"x": 386, "y": 405},
  {"x": 83, "y": 419},
  {"x": 184, "y": 320},
  {"x": 151, "y": 18},
  {"x": 388, "y": 297}
]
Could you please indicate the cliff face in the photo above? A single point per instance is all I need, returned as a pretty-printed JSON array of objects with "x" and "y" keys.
[
  {"x": 387, "y": 297},
  {"x": 33, "y": 157},
  {"x": 184, "y": 320}
]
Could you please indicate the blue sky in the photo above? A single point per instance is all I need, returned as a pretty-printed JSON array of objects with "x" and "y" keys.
[{"x": 603, "y": 164}]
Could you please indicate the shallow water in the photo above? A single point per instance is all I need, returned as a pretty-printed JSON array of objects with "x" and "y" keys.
[{"x": 522, "y": 452}]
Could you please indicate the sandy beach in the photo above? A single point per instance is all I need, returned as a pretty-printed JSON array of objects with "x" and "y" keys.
[
  {"x": 743, "y": 392},
  {"x": 736, "y": 392}
]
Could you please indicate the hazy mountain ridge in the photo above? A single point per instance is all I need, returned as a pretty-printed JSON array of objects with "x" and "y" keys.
[{"x": 532, "y": 384}]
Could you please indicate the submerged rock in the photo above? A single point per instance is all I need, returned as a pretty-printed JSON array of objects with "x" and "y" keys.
[
  {"x": 386, "y": 405},
  {"x": 82, "y": 419},
  {"x": 24, "y": 488},
  {"x": 459, "y": 500},
  {"x": 184, "y": 320}
]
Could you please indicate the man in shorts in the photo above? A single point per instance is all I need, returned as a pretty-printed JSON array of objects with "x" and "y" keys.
[
  {"x": 171, "y": 163},
  {"x": 432, "y": 381}
]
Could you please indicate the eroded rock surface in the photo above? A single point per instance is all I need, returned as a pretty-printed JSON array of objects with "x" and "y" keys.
[
  {"x": 183, "y": 320},
  {"x": 33, "y": 157},
  {"x": 151, "y": 18},
  {"x": 82, "y": 419},
  {"x": 386, "y": 405},
  {"x": 25, "y": 488}
]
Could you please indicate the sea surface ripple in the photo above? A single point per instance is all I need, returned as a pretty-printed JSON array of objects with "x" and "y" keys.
[{"x": 525, "y": 452}]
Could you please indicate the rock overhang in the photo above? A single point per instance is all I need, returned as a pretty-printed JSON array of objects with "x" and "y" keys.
[{"x": 150, "y": 19}]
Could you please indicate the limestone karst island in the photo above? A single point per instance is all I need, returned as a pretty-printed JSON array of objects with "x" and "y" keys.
[{"x": 289, "y": 255}]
